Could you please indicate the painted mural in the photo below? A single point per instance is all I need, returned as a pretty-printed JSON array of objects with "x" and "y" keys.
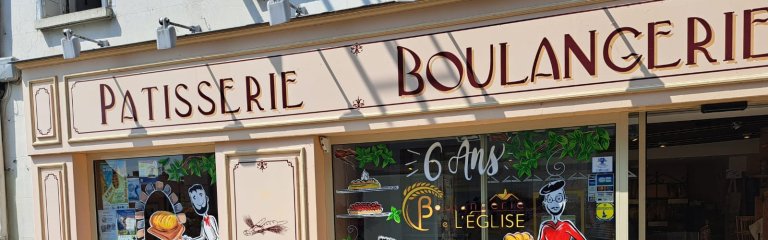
[
  {"x": 554, "y": 203},
  {"x": 157, "y": 198}
]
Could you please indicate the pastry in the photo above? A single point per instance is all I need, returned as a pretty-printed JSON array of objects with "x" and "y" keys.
[
  {"x": 365, "y": 208},
  {"x": 518, "y": 236},
  {"x": 365, "y": 182}
]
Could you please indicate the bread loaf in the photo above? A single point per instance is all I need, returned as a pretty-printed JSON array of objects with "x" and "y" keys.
[{"x": 164, "y": 220}]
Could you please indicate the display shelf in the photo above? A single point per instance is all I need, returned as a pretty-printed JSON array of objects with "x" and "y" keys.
[
  {"x": 381, "y": 189},
  {"x": 377, "y": 215}
]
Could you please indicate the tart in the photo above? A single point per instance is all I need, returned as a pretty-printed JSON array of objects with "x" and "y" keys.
[
  {"x": 365, "y": 208},
  {"x": 365, "y": 182}
]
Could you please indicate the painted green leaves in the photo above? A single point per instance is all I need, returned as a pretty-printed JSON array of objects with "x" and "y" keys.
[
  {"x": 175, "y": 171},
  {"x": 395, "y": 215},
  {"x": 581, "y": 145},
  {"x": 378, "y": 155},
  {"x": 192, "y": 166},
  {"x": 527, "y": 151},
  {"x": 529, "y": 148}
]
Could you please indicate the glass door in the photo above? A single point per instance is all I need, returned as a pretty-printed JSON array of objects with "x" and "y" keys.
[{"x": 706, "y": 174}]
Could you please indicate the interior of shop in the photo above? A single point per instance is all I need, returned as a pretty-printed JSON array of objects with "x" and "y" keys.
[{"x": 707, "y": 174}]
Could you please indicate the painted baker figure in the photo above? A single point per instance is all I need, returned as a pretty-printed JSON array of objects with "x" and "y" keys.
[
  {"x": 210, "y": 228},
  {"x": 554, "y": 203}
]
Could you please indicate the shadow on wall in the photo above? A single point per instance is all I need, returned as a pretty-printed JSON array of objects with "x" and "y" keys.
[
  {"x": 100, "y": 30},
  {"x": 256, "y": 7},
  {"x": 330, "y": 7},
  {"x": 255, "y": 11},
  {"x": 19, "y": 196},
  {"x": 6, "y": 29},
  {"x": 648, "y": 80}
]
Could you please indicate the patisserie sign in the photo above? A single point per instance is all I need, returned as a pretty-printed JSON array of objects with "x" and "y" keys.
[{"x": 525, "y": 59}]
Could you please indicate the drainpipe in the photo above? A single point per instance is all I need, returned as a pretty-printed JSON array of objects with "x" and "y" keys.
[{"x": 8, "y": 74}]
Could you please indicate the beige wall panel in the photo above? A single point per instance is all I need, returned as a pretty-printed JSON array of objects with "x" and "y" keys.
[
  {"x": 265, "y": 197},
  {"x": 44, "y": 111},
  {"x": 54, "y": 201},
  {"x": 289, "y": 173}
]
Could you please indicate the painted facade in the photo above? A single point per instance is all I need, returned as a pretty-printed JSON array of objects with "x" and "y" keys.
[{"x": 223, "y": 135}]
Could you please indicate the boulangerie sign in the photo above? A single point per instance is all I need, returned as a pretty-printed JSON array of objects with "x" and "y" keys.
[{"x": 525, "y": 59}]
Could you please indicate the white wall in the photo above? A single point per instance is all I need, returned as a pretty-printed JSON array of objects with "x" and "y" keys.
[
  {"x": 136, "y": 21},
  {"x": 5, "y": 27},
  {"x": 17, "y": 166}
]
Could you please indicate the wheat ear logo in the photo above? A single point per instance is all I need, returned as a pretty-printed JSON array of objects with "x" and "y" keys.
[{"x": 422, "y": 193}]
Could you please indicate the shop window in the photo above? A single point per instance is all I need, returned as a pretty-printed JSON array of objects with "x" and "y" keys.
[
  {"x": 707, "y": 175},
  {"x": 165, "y": 197},
  {"x": 58, "y": 7},
  {"x": 543, "y": 184}
]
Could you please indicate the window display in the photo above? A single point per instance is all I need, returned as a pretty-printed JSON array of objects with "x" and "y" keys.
[
  {"x": 166, "y": 197},
  {"x": 544, "y": 184}
]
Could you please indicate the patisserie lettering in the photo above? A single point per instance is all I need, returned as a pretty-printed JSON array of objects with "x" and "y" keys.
[
  {"x": 212, "y": 98},
  {"x": 472, "y": 160}
]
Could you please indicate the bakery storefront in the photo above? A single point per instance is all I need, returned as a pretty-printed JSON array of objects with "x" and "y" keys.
[{"x": 613, "y": 120}]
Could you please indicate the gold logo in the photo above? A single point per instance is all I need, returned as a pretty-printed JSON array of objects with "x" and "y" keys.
[
  {"x": 504, "y": 196},
  {"x": 422, "y": 193}
]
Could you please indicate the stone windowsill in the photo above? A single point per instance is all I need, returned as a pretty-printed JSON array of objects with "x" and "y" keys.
[{"x": 74, "y": 18}]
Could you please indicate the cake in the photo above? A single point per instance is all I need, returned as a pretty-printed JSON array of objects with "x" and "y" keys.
[
  {"x": 365, "y": 182},
  {"x": 365, "y": 208}
]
